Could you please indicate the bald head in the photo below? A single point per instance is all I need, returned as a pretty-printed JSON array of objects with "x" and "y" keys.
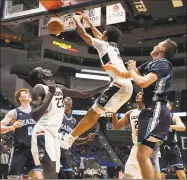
[{"x": 38, "y": 74}]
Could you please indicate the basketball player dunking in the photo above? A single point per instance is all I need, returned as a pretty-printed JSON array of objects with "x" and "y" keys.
[
  {"x": 170, "y": 151},
  {"x": 45, "y": 144},
  {"x": 132, "y": 168},
  {"x": 22, "y": 117},
  {"x": 119, "y": 91},
  {"x": 155, "y": 77},
  {"x": 67, "y": 126}
]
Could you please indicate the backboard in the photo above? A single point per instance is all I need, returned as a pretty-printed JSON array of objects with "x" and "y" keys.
[{"x": 17, "y": 11}]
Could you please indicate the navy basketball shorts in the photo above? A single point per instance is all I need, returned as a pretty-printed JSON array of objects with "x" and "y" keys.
[
  {"x": 171, "y": 155},
  {"x": 153, "y": 123},
  {"x": 65, "y": 159},
  {"x": 22, "y": 158},
  {"x": 113, "y": 98}
]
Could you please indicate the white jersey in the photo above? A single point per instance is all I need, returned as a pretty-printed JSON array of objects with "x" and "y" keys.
[
  {"x": 134, "y": 124},
  {"x": 53, "y": 117},
  {"x": 48, "y": 126},
  {"x": 109, "y": 54}
]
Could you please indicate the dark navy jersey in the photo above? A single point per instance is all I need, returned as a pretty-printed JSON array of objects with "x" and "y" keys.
[
  {"x": 22, "y": 136},
  {"x": 158, "y": 91},
  {"x": 171, "y": 138},
  {"x": 68, "y": 124}
]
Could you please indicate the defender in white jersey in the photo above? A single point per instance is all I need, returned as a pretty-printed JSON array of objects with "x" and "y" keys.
[
  {"x": 46, "y": 138},
  {"x": 132, "y": 169},
  {"x": 119, "y": 90}
]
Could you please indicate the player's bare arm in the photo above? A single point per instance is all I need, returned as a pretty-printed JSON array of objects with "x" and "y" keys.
[
  {"x": 81, "y": 94},
  {"x": 179, "y": 125},
  {"x": 123, "y": 122},
  {"x": 97, "y": 34},
  {"x": 81, "y": 30},
  {"x": 9, "y": 118},
  {"x": 121, "y": 74},
  {"x": 39, "y": 103},
  {"x": 80, "y": 141},
  {"x": 142, "y": 81}
]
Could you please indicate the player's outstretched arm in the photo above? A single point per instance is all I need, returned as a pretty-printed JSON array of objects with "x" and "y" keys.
[
  {"x": 80, "y": 141},
  {"x": 81, "y": 94},
  {"x": 123, "y": 122},
  {"x": 96, "y": 32},
  {"x": 142, "y": 81},
  {"x": 81, "y": 30},
  {"x": 9, "y": 118},
  {"x": 38, "y": 104},
  {"x": 118, "y": 73},
  {"x": 179, "y": 125}
]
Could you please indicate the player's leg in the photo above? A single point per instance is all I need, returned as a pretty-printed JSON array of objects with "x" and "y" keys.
[
  {"x": 49, "y": 166},
  {"x": 132, "y": 168},
  {"x": 61, "y": 174},
  {"x": 177, "y": 162},
  {"x": 17, "y": 164},
  {"x": 164, "y": 161},
  {"x": 66, "y": 171},
  {"x": 35, "y": 172},
  {"x": 143, "y": 156},
  {"x": 110, "y": 100},
  {"x": 94, "y": 113},
  {"x": 153, "y": 126},
  {"x": 155, "y": 162}
]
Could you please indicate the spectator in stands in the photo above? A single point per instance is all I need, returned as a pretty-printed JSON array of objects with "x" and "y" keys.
[{"x": 4, "y": 159}]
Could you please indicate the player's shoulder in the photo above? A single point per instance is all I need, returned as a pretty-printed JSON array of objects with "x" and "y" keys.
[
  {"x": 12, "y": 112},
  {"x": 162, "y": 62}
]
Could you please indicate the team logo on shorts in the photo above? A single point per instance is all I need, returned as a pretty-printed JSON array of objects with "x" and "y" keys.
[
  {"x": 41, "y": 154},
  {"x": 103, "y": 99}
]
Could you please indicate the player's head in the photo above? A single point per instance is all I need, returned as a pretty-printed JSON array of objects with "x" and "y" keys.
[
  {"x": 38, "y": 75},
  {"x": 112, "y": 34},
  {"x": 139, "y": 97},
  {"x": 23, "y": 96},
  {"x": 68, "y": 103},
  {"x": 165, "y": 49},
  {"x": 169, "y": 105}
]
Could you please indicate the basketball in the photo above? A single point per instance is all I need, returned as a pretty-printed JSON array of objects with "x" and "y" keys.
[
  {"x": 55, "y": 25},
  {"x": 51, "y": 4}
]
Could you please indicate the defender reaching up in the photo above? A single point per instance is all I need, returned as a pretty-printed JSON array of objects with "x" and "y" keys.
[{"x": 46, "y": 138}]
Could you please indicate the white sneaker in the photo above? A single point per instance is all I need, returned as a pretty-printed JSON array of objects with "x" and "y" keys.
[{"x": 67, "y": 141}]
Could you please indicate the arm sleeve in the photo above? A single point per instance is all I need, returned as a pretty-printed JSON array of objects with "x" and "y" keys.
[{"x": 161, "y": 69}]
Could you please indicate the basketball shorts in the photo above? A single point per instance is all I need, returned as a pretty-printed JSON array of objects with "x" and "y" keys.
[
  {"x": 171, "y": 155},
  {"x": 113, "y": 97},
  {"x": 154, "y": 123},
  {"x": 22, "y": 158},
  {"x": 65, "y": 159},
  {"x": 46, "y": 149}
]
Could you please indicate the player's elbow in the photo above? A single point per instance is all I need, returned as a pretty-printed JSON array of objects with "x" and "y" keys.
[
  {"x": 183, "y": 128},
  {"x": 143, "y": 84}
]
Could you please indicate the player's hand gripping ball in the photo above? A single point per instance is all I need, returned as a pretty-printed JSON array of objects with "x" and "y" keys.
[{"x": 55, "y": 25}]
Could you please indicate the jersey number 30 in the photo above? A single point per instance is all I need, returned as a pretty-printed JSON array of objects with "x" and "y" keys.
[{"x": 59, "y": 102}]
